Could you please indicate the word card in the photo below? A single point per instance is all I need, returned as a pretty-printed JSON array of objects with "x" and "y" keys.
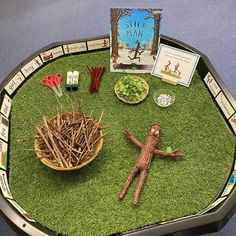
[
  {"x": 75, "y": 47},
  {"x": 4, "y": 128},
  {"x": 6, "y": 106},
  {"x": 224, "y": 105},
  {"x": 21, "y": 210},
  {"x": 230, "y": 184},
  {"x": 3, "y": 155},
  {"x": 14, "y": 83},
  {"x": 30, "y": 67},
  {"x": 4, "y": 184},
  {"x": 52, "y": 53},
  {"x": 232, "y": 121},
  {"x": 213, "y": 205},
  {"x": 98, "y": 44},
  {"x": 212, "y": 84}
]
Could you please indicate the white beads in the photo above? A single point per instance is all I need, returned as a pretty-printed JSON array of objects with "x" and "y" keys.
[{"x": 164, "y": 100}]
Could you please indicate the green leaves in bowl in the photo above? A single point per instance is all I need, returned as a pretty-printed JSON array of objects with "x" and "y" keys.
[{"x": 131, "y": 89}]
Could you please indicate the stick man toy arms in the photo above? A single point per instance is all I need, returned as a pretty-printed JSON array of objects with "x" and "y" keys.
[{"x": 144, "y": 159}]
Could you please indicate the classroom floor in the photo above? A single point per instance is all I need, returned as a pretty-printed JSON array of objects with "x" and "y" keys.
[
  {"x": 228, "y": 230},
  {"x": 27, "y": 26}
]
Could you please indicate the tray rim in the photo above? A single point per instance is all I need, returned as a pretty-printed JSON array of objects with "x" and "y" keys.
[{"x": 210, "y": 222}]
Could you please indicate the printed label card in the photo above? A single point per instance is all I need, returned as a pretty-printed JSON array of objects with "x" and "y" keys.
[
  {"x": 232, "y": 121},
  {"x": 135, "y": 35},
  {"x": 75, "y": 47},
  {"x": 98, "y": 44},
  {"x": 3, "y": 155},
  {"x": 212, "y": 84},
  {"x": 230, "y": 184},
  {"x": 4, "y": 184},
  {"x": 175, "y": 65},
  {"x": 213, "y": 205},
  {"x": 4, "y": 128},
  {"x": 51, "y": 54},
  {"x": 31, "y": 66},
  {"x": 6, "y": 106},
  {"x": 21, "y": 210},
  {"x": 14, "y": 83},
  {"x": 225, "y": 105}
]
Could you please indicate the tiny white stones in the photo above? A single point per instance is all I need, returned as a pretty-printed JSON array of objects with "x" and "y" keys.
[
  {"x": 164, "y": 100},
  {"x": 163, "y": 97}
]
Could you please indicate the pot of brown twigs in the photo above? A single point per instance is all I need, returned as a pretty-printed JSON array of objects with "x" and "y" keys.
[{"x": 68, "y": 141}]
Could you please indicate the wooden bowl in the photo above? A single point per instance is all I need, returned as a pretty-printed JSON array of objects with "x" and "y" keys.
[
  {"x": 90, "y": 157},
  {"x": 136, "y": 102}
]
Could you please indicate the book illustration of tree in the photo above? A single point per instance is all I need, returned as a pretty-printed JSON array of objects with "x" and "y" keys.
[
  {"x": 116, "y": 15},
  {"x": 150, "y": 45},
  {"x": 156, "y": 15}
]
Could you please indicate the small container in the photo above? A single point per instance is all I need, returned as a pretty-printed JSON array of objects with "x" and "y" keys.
[
  {"x": 90, "y": 156},
  {"x": 133, "y": 102},
  {"x": 72, "y": 80},
  {"x": 164, "y": 97}
]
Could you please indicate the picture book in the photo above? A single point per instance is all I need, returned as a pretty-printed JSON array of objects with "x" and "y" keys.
[
  {"x": 135, "y": 35},
  {"x": 175, "y": 65}
]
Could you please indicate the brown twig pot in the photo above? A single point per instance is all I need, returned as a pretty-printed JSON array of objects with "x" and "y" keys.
[{"x": 89, "y": 158}]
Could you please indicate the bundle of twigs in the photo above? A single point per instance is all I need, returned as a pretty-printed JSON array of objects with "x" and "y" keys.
[
  {"x": 96, "y": 74},
  {"x": 68, "y": 139}
]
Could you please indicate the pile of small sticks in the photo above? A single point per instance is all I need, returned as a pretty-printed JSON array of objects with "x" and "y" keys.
[
  {"x": 68, "y": 139},
  {"x": 96, "y": 74}
]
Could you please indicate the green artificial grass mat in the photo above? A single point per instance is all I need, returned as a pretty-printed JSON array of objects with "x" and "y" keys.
[{"x": 85, "y": 202}]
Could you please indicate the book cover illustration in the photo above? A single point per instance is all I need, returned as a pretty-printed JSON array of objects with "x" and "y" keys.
[{"x": 134, "y": 39}]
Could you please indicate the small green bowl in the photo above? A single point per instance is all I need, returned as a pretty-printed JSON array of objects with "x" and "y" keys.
[{"x": 164, "y": 97}]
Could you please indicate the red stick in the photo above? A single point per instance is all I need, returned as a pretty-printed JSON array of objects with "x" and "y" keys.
[
  {"x": 100, "y": 72},
  {"x": 94, "y": 79},
  {"x": 91, "y": 78},
  {"x": 103, "y": 70}
]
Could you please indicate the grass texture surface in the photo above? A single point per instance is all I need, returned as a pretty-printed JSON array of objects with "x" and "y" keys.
[{"x": 85, "y": 202}]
